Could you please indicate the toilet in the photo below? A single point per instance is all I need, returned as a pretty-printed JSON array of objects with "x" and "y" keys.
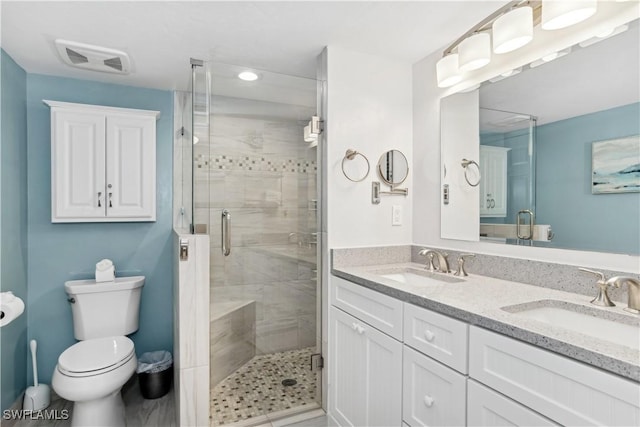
[{"x": 92, "y": 372}]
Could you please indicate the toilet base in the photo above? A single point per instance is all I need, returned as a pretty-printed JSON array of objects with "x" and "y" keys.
[{"x": 106, "y": 411}]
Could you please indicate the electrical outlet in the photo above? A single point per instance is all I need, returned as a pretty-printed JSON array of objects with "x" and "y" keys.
[{"x": 396, "y": 215}]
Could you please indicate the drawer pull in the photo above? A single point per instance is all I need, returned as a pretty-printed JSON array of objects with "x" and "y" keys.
[
  {"x": 429, "y": 335},
  {"x": 358, "y": 328},
  {"x": 428, "y": 401}
]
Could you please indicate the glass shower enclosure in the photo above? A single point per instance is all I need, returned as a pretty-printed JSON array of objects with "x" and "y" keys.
[{"x": 253, "y": 171}]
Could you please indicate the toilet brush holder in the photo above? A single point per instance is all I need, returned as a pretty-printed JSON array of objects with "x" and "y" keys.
[{"x": 38, "y": 396}]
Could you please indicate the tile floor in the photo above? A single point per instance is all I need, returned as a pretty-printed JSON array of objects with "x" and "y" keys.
[
  {"x": 256, "y": 389},
  {"x": 139, "y": 411},
  {"x": 258, "y": 382}
]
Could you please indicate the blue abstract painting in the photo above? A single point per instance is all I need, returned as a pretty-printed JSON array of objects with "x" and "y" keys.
[{"x": 616, "y": 165}]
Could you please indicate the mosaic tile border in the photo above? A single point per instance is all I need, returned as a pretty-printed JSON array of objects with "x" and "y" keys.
[{"x": 256, "y": 163}]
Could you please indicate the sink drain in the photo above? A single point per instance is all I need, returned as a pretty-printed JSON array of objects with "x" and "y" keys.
[{"x": 289, "y": 382}]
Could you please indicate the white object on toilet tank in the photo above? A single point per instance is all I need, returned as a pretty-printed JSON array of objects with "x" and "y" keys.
[
  {"x": 105, "y": 271},
  {"x": 104, "y": 309}
]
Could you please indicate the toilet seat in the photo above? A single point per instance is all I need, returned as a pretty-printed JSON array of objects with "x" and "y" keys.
[{"x": 95, "y": 356}]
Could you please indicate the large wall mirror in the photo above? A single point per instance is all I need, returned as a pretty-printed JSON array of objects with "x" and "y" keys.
[{"x": 560, "y": 149}]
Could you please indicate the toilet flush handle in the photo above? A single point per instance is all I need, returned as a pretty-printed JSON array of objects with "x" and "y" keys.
[{"x": 71, "y": 300}]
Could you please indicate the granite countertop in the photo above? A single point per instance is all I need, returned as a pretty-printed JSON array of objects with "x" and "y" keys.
[{"x": 478, "y": 300}]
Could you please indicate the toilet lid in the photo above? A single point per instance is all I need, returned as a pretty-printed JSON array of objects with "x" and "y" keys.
[{"x": 96, "y": 354}]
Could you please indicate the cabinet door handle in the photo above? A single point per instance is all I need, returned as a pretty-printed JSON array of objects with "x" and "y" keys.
[
  {"x": 110, "y": 204},
  {"x": 99, "y": 195},
  {"x": 358, "y": 328},
  {"x": 428, "y": 401},
  {"x": 429, "y": 336}
]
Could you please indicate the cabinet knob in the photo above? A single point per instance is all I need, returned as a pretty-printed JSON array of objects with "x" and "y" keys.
[
  {"x": 429, "y": 336},
  {"x": 428, "y": 401},
  {"x": 358, "y": 328}
]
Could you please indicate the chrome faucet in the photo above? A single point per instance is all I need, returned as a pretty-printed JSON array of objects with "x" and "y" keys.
[
  {"x": 633, "y": 285},
  {"x": 602, "y": 299},
  {"x": 443, "y": 265}
]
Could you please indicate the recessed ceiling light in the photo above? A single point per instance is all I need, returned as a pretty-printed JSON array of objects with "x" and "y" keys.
[{"x": 248, "y": 76}]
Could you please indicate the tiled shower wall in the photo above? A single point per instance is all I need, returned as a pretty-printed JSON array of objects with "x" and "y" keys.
[{"x": 259, "y": 168}]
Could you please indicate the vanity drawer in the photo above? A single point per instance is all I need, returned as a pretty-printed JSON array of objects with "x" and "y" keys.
[
  {"x": 566, "y": 391},
  {"x": 436, "y": 335},
  {"x": 378, "y": 310},
  {"x": 486, "y": 407},
  {"x": 433, "y": 395}
]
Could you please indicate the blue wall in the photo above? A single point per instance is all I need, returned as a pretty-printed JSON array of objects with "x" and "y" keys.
[
  {"x": 13, "y": 224},
  {"x": 61, "y": 252},
  {"x": 602, "y": 222}
]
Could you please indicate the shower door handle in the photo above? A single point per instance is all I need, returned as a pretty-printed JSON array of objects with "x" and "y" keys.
[{"x": 226, "y": 232}]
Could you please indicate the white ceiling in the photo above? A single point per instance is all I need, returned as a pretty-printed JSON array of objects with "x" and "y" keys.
[{"x": 284, "y": 37}]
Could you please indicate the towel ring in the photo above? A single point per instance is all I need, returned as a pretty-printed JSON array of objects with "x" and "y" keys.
[
  {"x": 350, "y": 155},
  {"x": 465, "y": 164}
]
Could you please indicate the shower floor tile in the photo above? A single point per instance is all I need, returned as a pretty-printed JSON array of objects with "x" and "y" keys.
[{"x": 256, "y": 388}]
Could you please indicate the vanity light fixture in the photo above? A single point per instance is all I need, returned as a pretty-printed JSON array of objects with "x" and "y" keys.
[
  {"x": 511, "y": 26},
  {"x": 513, "y": 30},
  {"x": 557, "y": 14},
  {"x": 248, "y": 76},
  {"x": 474, "y": 52},
  {"x": 448, "y": 71}
]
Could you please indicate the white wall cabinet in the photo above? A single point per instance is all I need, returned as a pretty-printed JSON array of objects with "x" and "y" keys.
[
  {"x": 493, "y": 184},
  {"x": 366, "y": 373},
  {"x": 103, "y": 163}
]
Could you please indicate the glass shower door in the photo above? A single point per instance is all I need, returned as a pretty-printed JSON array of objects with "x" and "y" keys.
[{"x": 262, "y": 192}]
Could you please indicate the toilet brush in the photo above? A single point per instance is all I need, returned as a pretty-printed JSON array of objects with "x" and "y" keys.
[{"x": 37, "y": 396}]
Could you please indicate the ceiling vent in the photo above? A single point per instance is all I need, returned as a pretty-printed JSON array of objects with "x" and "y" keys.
[{"x": 94, "y": 58}]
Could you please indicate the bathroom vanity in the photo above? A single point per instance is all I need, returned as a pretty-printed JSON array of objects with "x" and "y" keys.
[{"x": 412, "y": 347}]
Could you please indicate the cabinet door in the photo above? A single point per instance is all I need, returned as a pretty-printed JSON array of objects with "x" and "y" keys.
[
  {"x": 493, "y": 185},
  {"x": 434, "y": 395},
  {"x": 487, "y": 408},
  {"x": 566, "y": 391},
  {"x": 131, "y": 168},
  {"x": 78, "y": 172},
  {"x": 366, "y": 373}
]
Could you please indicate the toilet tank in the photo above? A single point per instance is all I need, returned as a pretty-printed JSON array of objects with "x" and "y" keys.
[{"x": 104, "y": 309}]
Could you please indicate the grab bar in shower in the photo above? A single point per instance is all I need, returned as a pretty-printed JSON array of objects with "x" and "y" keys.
[{"x": 226, "y": 232}]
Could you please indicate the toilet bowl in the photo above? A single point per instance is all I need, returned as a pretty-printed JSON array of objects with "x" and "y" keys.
[{"x": 91, "y": 374}]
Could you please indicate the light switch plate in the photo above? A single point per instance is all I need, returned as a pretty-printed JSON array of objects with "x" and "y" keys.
[{"x": 396, "y": 215}]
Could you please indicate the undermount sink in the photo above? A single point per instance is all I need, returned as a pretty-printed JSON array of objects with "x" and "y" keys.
[
  {"x": 609, "y": 326},
  {"x": 415, "y": 277}
]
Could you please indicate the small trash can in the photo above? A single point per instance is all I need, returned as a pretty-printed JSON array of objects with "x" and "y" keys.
[{"x": 155, "y": 372}]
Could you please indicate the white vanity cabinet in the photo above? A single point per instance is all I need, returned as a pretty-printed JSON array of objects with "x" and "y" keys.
[
  {"x": 493, "y": 184},
  {"x": 433, "y": 395},
  {"x": 448, "y": 373},
  {"x": 566, "y": 391},
  {"x": 487, "y": 408},
  {"x": 435, "y": 361},
  {"x": 103, "y": 163},
  {"x": 366, "y": 363}
]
